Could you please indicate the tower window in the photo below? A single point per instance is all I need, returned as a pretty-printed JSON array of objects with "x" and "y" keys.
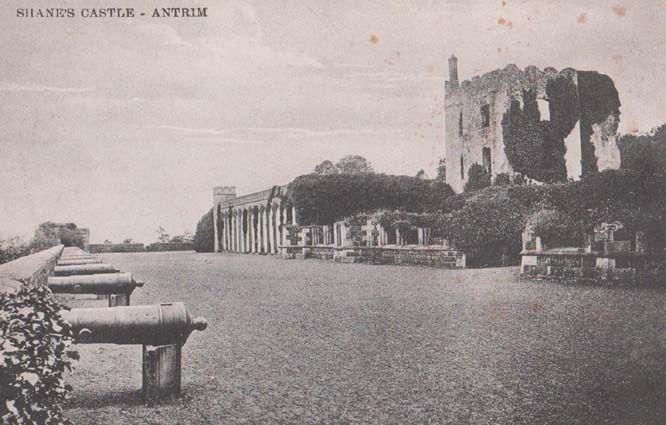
[
  {"x": 460, "y": 125},
  {"x": 485, "y": 116}
]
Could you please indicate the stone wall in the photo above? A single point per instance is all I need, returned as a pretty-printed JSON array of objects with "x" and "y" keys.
[
  {"x": 170, "y": 246},
  {"x": 544, "y": 124},
  {"x": 30, "y": 270},
  {"x": 395, "y": 255},
  {"x": 115, "y": 247}
]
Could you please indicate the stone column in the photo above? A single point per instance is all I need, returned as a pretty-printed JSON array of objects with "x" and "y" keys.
[
  {"x": 216, "y": 246},
  {"x": 278, "y": 224},
  {"x": 240, "y": 230},
  {"x": 264, "y": 229},
  {"x": 271, "y": 232},
  {"x": 293, "y": 216},
  {"x": 250, "y": 236},
  {"x": 225, "y": 237}
]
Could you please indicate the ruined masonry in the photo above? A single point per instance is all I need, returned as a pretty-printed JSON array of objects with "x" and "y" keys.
[{"x": 544, "y": 124}]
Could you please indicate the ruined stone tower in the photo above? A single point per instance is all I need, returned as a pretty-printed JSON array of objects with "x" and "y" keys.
[{"x": 544, "y": 124}]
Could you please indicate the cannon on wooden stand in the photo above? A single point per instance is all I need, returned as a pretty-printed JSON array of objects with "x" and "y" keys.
[
  {"x": 117, "y": 286},
  {"x": 162, "y": 329},
  {"x": 84, "y": 269}
]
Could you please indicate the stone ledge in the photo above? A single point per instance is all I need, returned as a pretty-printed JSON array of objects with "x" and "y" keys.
[{"x": 31, "y": 270}]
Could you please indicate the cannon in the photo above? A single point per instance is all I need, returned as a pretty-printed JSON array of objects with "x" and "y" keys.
[
  {"x": 119, "y": 284},
  {"x": 76, "y": 262},
  {"x": 161, "y": 324},
  {"x": 162, "y": 330},
  {"x": 83, "y": 269}
]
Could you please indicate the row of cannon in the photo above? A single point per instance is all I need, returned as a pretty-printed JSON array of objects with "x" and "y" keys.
[{"x": 162, "y": 329}]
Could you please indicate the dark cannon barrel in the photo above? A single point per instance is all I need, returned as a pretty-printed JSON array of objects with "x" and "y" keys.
[
  {"x": 159, "y": 324},
  {"x": 84, "y": 269},
  {"x": 102, "y": 284},
  {"x": 76, "y": 262}
]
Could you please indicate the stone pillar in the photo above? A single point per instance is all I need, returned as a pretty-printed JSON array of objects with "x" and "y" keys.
[
  {"x": 249, "y": 231},
  {"x": 225, "y": 235},
  {"x": 216, "y": 245},
  {"x": 293, "y": 216},
  {"x": 246, "y": 230},
  {"x": 271, "y": 231},
  {"x": 239, "y": 221},
  {"x": 264, "y": 229},
  {"x": 278, "y": 225},
  {"x": 235, "y": 224}
]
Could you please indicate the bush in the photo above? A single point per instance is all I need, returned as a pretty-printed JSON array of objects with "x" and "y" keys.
[
  {"x": 557, "y": 228},
  {"x": 477, "y": 178},
  {"x": 204, "y": 237},
  {"x": 33, "y": 357},
  {"x": 324, "y": 199},
  {"x": 13, "y": 248},
  {"x": 488, "y": 228}
]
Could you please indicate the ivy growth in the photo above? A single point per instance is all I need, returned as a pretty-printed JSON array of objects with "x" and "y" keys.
[{"x": 33, "y": 357}]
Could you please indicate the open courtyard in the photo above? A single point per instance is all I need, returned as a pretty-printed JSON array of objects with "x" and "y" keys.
[{"x": 320, "y": 342}]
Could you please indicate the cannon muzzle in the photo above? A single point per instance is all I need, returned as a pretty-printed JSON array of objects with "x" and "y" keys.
[
  {"x": 101, "y": 284},
  {"x": 83, "y": 269},
  {"x": 160, "y": 324}
]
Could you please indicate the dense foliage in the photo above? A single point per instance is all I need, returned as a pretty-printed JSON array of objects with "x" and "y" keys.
[
  {"x": 324, "y": 199},
  {"x": 50, "y": 234},
  {"x": 33, "y": 357},
  {"x": 477, "y": 178},
  {"x": 13, "y": 248},
  {"x": 204, "y": 237},
  {"x": 488, "y": 227}
]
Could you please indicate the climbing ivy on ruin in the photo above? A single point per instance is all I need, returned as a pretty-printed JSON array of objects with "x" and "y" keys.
[
  {"x": 534, "y": 147},
  {"x": 598, "y": 100}
]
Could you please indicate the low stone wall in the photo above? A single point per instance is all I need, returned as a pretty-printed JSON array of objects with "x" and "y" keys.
[
  {"x": 170, "y": 246},
  {"x": 115, "y": 247},
  {"x": 29, "y": 270},
  {"x": 431, "y": 256},
  {"x": 594, "y": 267}
]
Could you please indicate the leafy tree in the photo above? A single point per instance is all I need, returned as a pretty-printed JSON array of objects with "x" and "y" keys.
[
  {"x": 50, "y": 234},
  {"x": 204, "y": 235},
  {"x": 354, "y": 164},
  {"x": 128, "y": 240},
  {"x": 326, "y": 167},
  {"x": 162, "y": 235},
  {"x": 107, "y": 241},
  {"x": 421, "y": 174}
]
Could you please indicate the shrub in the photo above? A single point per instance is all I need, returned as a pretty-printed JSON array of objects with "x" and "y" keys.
[
  {"x": 205, "y": 235},
  {"x": 324, "y": 199},
  {"x": 33, "y": 357},
  {"x": 11, "y": 249},
  {"x": 557, "y": 228},
  {"x": 477, "y": 178},
  {"x": 488, "y": 228}
]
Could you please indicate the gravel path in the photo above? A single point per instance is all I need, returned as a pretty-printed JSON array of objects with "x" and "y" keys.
[{"x": 320, "y": 342}]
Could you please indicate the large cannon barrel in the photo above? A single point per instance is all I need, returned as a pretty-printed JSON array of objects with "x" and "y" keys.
[
  {"x": 78, "y": 261},
  {"x": 160, "y": 324},
  {"x": 83, "y": 269},
  {"x": 101, "y": 284}
]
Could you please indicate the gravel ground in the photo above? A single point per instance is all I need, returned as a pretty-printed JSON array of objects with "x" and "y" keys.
[{"x": 320, "y": 342}]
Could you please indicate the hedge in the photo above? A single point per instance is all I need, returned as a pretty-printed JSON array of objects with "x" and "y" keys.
[
  {"x": 324, "y": 199},
  {"x": 204, "y": 235}
]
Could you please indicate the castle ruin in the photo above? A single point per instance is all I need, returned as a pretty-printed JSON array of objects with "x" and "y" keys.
[{"x": 544, "y": 124}]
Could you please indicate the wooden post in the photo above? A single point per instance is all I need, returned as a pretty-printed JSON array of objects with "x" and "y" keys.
[
  {"x": 161, "y": 372},
  {"x": 116, "y": 300}
]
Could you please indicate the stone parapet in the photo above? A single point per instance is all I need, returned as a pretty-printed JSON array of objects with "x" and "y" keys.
[{"x": 31, "y": 270}]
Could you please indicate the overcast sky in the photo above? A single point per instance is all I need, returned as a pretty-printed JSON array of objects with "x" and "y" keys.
[{"x": 125, "y": 125}]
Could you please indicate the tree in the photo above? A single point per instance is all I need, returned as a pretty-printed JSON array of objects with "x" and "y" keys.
[
  {"x": 128, "y": 240},
  {"x": 326, "y": 167},
  {"x": 162, "y": 235},
  {"x": 204, "y": 235},
  {"x": 50, "y": 234},
  {"x": 421, "y": 174},
  {"x": 441, "y": 171},
  {"x": 107, "y": 242},
  {"x": 354, "y": 164}
]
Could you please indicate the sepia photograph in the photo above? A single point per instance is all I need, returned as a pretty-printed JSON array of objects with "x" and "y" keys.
[{"x": 347, "y": 212}]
